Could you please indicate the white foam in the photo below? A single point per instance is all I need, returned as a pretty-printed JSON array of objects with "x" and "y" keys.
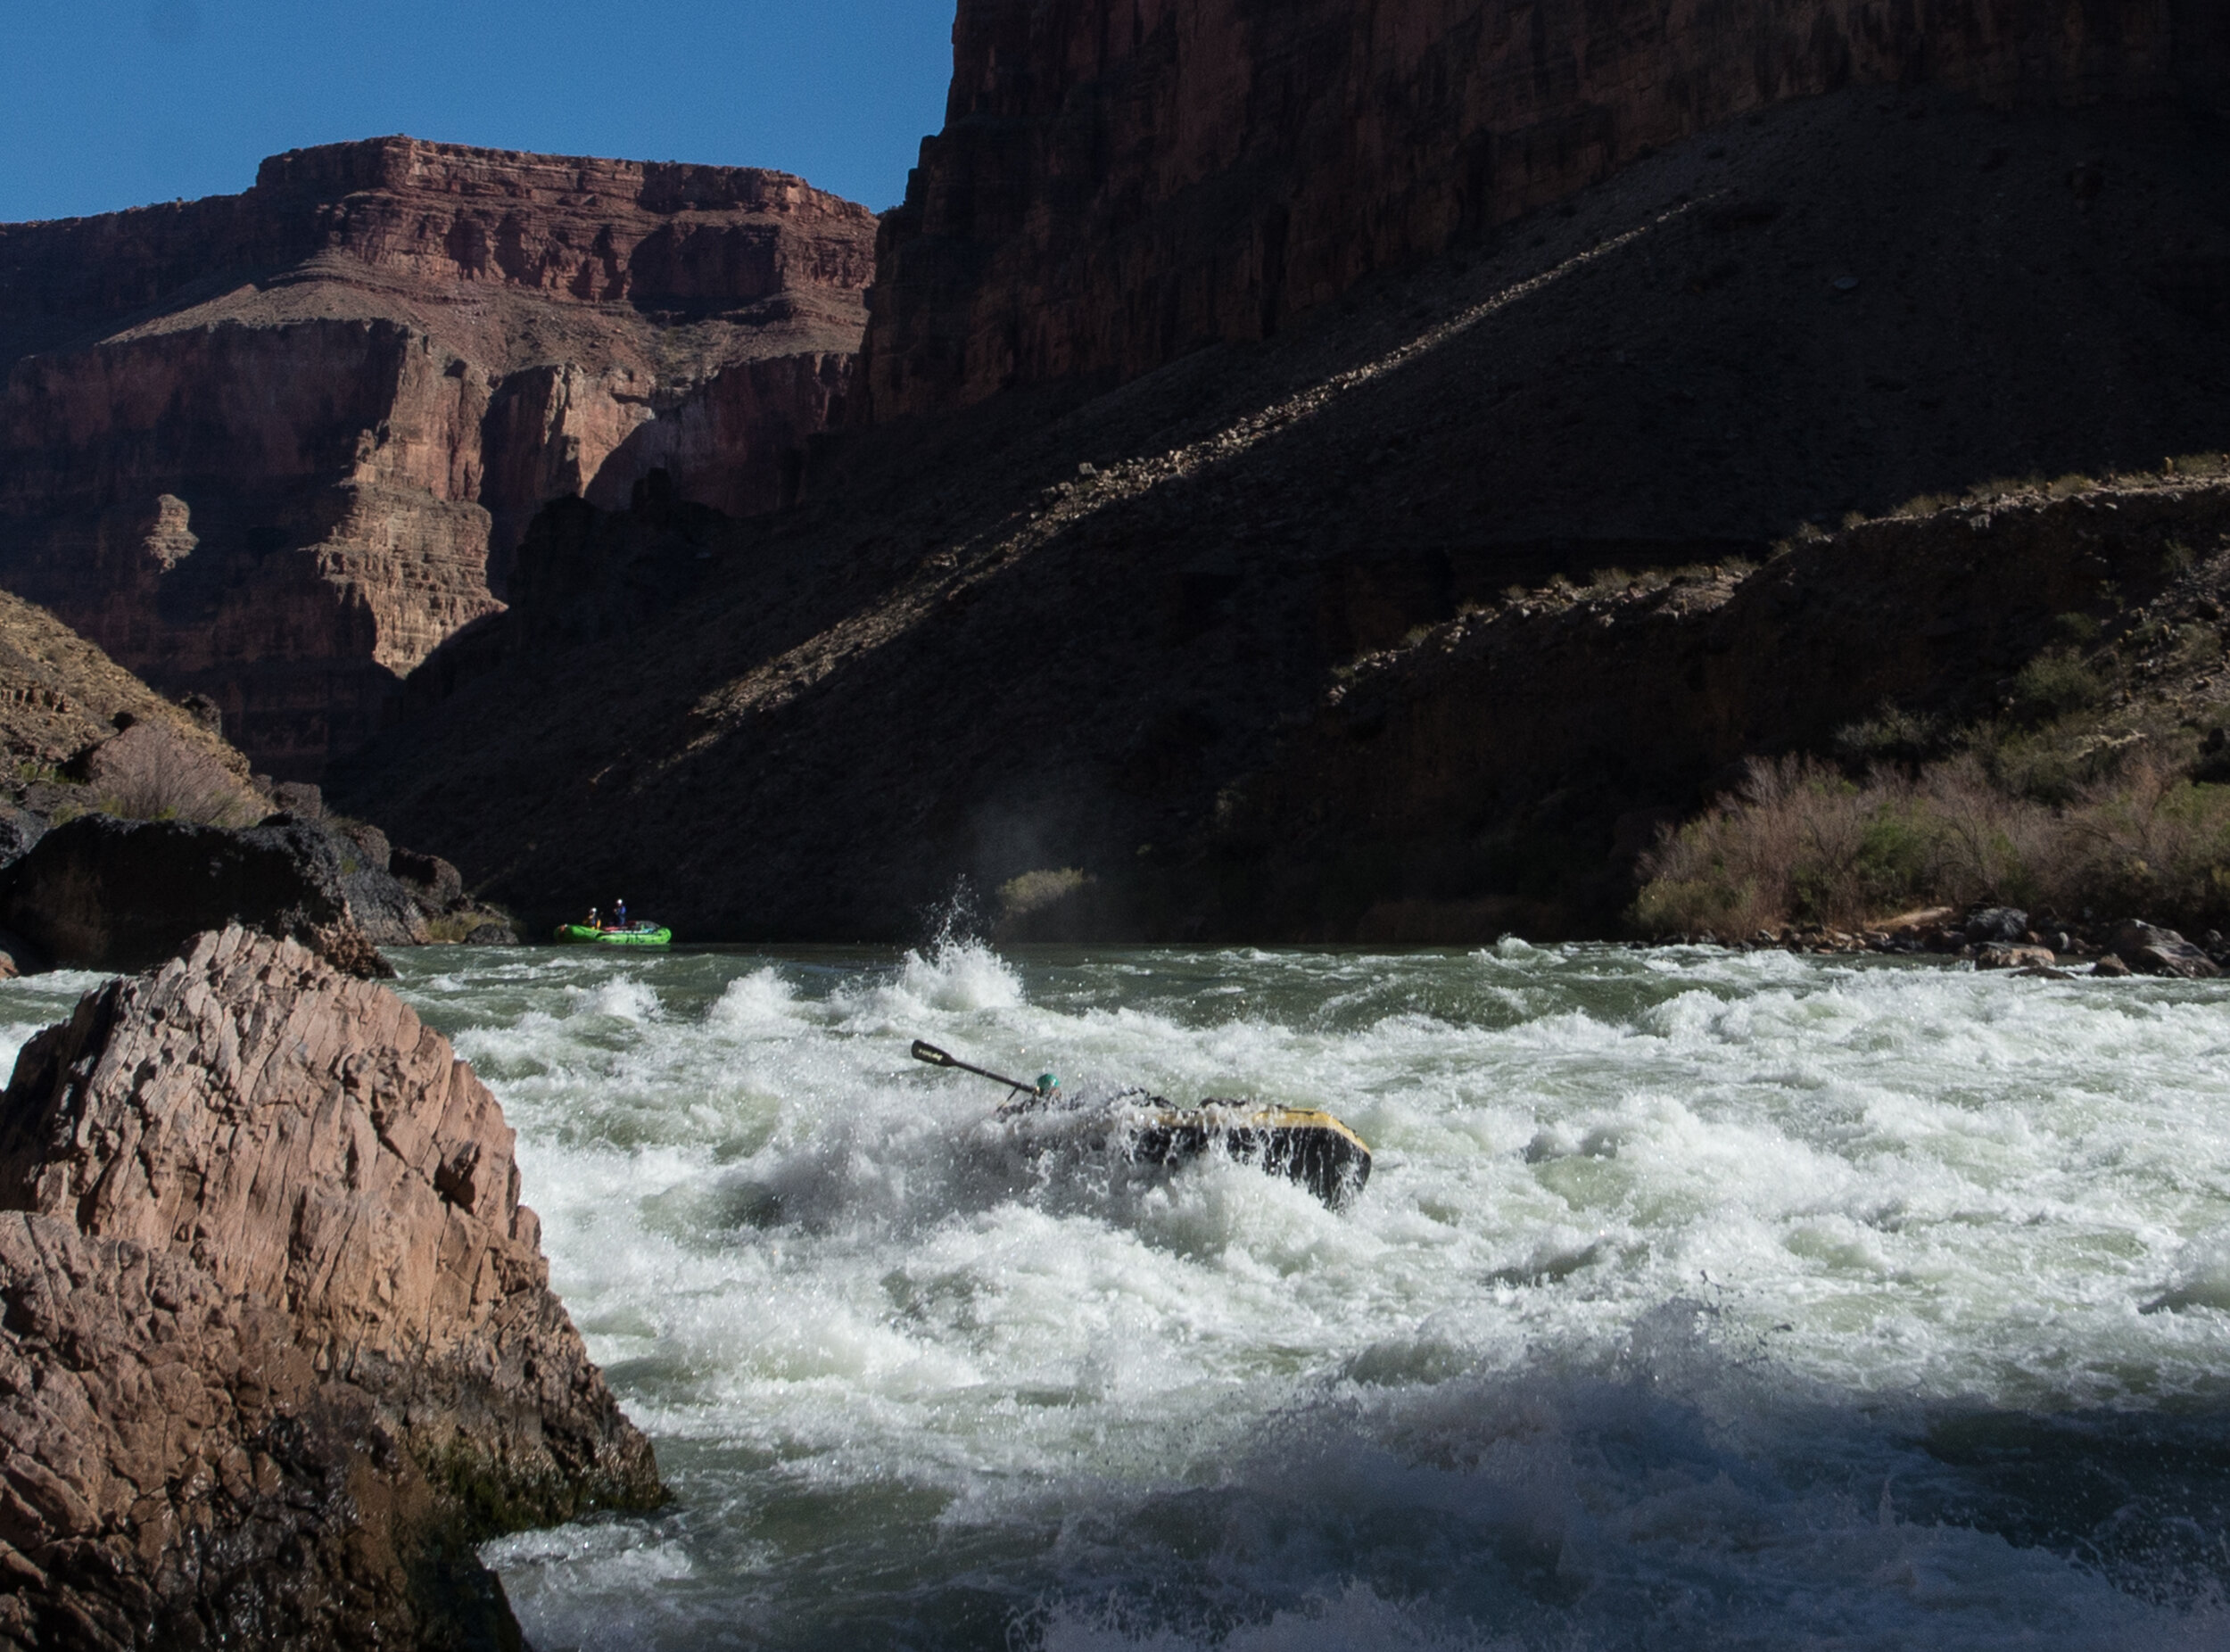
[
  {"x": 843, "y": 1276},
  {"x": 761, "y": 999}
]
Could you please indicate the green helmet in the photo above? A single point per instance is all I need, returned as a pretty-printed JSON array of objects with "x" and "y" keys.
[{"x": 1048, "y": 1081}]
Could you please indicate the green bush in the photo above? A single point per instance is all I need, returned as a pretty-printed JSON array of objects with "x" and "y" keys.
[
  {"x": 2057, "y": 682},
  {"x": 2079, "y": 629},
  {"x": 1892, "y": 735},
  {"x": 1799, "y": 843}
]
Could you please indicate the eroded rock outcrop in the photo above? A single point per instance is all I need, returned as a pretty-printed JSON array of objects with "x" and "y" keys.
[
  {"x": 276, "y": 446},
  {"x": 1117, "y": 184},
  {"x": 279, "y": 1346},
  {"x": 101, "y": 893}
]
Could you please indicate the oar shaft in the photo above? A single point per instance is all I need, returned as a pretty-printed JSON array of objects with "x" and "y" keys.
[{"x": 936, "y": 1057}]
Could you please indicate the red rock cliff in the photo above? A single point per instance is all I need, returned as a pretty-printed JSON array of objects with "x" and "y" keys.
[
  {"x": 276, "y": 447},
  {"x": 1120, "y": 181}
]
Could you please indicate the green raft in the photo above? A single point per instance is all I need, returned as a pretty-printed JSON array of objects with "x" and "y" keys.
[{"x": 633, "y": 935}]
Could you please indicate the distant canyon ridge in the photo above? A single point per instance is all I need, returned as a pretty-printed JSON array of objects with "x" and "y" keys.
[{"x": 275, "y": 447}]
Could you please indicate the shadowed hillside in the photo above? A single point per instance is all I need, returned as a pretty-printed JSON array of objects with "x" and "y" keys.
[{"x": 968, "y": 656}]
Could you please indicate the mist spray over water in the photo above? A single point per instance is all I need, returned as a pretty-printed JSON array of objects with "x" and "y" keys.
[{"x": 1696, "y": 1299}]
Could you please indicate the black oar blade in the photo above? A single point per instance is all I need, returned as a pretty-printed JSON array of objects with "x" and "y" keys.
[{"x": 927, "y": 1052}]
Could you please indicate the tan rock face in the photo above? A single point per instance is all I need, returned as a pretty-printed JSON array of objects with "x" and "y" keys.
[
  {"x": 276, "y": 447},
  {"x": 279, "y": 1342},
  {"x": 1117, "y": 184}
]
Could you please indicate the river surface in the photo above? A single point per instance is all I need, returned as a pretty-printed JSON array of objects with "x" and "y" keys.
[{"x": 1697, "y": 1300}]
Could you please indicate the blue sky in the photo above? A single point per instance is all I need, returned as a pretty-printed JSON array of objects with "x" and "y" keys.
[{"x": 112, "y": 103}]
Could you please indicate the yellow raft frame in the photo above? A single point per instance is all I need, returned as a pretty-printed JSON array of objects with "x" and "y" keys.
[{"x": 1299, "y": 1144}]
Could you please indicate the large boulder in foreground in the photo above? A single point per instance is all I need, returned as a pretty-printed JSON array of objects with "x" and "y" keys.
[
  {"x": 278, "y": 1347},
  {"x": 101, "y": 893}
]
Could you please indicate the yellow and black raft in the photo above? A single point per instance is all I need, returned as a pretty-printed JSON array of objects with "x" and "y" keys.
[{"x": 1312, "y": 1148}]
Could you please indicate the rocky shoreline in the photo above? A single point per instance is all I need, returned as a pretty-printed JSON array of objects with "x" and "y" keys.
[{"x": 1997, "y": 937}]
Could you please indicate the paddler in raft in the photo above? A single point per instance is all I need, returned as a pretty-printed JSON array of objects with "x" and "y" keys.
[
  {"x": 1312, "y": 1148},
  {"x": 619, "y": 933}
]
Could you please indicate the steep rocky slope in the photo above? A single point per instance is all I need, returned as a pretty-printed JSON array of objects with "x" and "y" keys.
[
  {"x": 1504, "y": 769},
  {"x": 276, "y": 447},
  {"x": 1118, "y": 183},
  {"x": 60, "y": 695},
  {"x": 279, "y": 1346},
  {"x": 967, "y": 657},
  {"x": 122, "y": 829}
]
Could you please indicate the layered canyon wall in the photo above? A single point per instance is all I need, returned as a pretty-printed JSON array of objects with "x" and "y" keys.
[
  {"x": 1059, "y": 633},
  {"x": 276, "y": 447},
  {"x": 1120, "y": 181}
]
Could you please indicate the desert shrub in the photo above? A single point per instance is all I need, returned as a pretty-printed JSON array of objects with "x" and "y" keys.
[
  {"x": 1792, "y": 842},
  {"x": 1891, "y": 735},
  {"x": 2153, "y": 842},
  {"x": 2057, "y": 762},
  {"x": 1984, "y": 838},
  {"x": 2079, "y": 629},
  {"x": 2057, "y": 682},
  {"x": 2002, "y": 487},
  {"x": 2196, "y": 646},
  {"x": 1716, "y": 905},
  {"x": 1799, "y": 843},
  {"x": 148, "y": 773},
  {"x": 452, "y": 928}
]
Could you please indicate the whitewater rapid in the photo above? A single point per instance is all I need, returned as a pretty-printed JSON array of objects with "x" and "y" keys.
[{"x": 1696, "y": 1299}]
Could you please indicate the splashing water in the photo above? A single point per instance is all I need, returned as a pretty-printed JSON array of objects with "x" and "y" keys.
[{"x": 1696, "y": 1300}]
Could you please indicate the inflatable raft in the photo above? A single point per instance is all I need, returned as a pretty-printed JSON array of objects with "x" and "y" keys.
[
  {"x": 1302, "y": 1145},
  {"x": 633, "y": 935},
  {"x": 1312, "y": 1148}
]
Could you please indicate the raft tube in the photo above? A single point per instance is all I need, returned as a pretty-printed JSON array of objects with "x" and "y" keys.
[
  {"x": 635, "y": 935},
  {"x": 1312, "y": 1148}
]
